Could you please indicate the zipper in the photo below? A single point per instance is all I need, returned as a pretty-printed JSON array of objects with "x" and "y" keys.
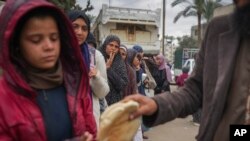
[{"x": 45, "y": 97}]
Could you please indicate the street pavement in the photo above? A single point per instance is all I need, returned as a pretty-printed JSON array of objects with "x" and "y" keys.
[
  {"x": 180, "y": 129},
  {"x": 176, "y": 130}
]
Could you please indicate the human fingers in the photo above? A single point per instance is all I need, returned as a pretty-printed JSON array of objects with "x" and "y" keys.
[
  {"x": 142, "y": 105},
  {"x": 87, "y": 137},
  {"x": 147, "y": 106},
  {"x": 135, "y": 97}
]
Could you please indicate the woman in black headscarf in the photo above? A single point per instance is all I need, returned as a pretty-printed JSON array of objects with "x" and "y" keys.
[{"x": 116, "y": 69}]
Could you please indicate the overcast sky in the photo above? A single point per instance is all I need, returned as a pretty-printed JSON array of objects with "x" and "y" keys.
[{"x": 180, "y": 28}]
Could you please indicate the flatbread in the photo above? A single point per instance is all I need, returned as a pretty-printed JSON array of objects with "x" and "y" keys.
[{"x": 115, "y": 124}]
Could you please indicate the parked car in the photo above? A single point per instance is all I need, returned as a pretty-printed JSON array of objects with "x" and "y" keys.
[{"x": 190, "y": 64}]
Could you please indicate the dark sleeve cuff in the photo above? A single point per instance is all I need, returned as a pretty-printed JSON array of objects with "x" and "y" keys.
[{"x": 150, "y": 120}]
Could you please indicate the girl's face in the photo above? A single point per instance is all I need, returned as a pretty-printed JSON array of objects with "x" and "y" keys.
[
  {"x": 123, "y": 53},
  {"x": 81, "y": 30},
  {"x": 136, "y": 61},
  {"x": 112, "y": 47},
  {"x": 40, "y": 42}
]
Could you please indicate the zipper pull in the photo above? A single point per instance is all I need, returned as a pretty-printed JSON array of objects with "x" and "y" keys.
[{"x": 45, "y": 96}]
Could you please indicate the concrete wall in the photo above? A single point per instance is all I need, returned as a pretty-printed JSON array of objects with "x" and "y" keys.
[
  {"x": 146, "y": 38},
  {"x": 224, "y": 10}
]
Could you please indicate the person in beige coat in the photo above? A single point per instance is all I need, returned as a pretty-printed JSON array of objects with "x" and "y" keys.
[
  {"x": 97, "y": 66},
  {"x": 98, "y": 80}
]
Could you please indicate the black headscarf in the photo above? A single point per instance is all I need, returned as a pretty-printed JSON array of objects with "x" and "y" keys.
[
  {"x": 117, "y": 73},
  {"x": 75, "y": 14},
  {"x": 109, "y": 39}
]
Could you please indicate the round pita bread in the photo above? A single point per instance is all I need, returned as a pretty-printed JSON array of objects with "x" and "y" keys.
[{"x": 115, "y": 124}]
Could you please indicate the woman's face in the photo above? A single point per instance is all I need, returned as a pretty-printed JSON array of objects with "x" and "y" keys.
[
  {"x": 81, "y": 30},
  {"x": 158, "y": 61},
  {"x": 40, "y": 42},
  {"x": 112, "y": 47},
  {"x": 136, "y": 61},
  {"x": 123, "y": 53}
]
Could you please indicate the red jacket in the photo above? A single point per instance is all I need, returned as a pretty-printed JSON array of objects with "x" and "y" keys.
[
  {"x": 20, "y": 116},
  {"x": 181, "y": 79}
]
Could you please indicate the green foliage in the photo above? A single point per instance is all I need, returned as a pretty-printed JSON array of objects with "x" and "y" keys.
[
  {"x": 209, "y": 7},
  {"x": 178, "y": 58},
  {"x": 89, "y": 7},
  {"x": 197, "y": 8},
  {"x": 187, "y": 42},
  {"x": 184, "y": 42},
  {"x": 66, "y": 5}
]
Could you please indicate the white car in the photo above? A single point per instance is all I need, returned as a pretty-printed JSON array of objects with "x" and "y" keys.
[{"x": 190, "y": 64}]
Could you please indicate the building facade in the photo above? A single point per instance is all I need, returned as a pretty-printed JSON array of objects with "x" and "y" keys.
[
  {"x": 133, "y": 26},
  {"x": 220, "y": 11}
]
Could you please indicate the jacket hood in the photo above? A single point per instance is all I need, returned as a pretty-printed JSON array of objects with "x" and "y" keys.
[{"x": 70, "y": 56}]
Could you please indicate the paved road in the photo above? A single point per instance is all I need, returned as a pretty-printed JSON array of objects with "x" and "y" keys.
[{"x": 176, "y": 130}]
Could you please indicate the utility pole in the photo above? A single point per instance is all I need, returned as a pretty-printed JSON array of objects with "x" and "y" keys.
[{"x": 163, "y": 26}]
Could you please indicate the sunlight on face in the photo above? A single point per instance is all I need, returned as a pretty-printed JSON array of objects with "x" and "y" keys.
[{"x": 40, "y": 42}]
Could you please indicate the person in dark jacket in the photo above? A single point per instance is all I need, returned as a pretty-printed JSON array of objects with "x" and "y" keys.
[
  {"x": 116, "y": 68},
  {"x": 44, "y": 86},
  {"x": 134, "y": 62},
  {"x": 219, "y": 82},
  {"x": 131, "y": 88},
  {"x": 160, "y": 75}
]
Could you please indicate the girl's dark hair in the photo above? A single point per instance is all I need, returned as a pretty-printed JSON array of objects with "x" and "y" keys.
[
  {"x": 37, "y": 13},
  {"x": 40, "y": 12}
]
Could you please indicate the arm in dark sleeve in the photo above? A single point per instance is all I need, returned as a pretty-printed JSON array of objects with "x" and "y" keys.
[{"x": 183, "y": 102}]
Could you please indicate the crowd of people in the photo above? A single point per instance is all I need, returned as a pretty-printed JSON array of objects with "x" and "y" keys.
[{"x": 56, "y": 80}]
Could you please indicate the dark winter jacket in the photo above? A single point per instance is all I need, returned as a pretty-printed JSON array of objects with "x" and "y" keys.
[{"x": 117, "y": 73}]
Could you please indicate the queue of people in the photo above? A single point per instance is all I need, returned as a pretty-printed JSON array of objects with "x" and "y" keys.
[{"x": 56, "y": 81}]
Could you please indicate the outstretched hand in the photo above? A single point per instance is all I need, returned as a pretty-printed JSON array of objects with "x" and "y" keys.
[{"x": 147, "y": 105}]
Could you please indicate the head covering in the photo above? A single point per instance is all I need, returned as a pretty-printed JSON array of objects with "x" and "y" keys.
[
  {"x": 131, "y": 55},
  {"x": 138, "y": 48},
  {"x": 109, "y": 39},
  {"x": 75, "y": 14},
  {"x": 124, "y": 47},
  {"x": 14, "y": 70},
  {"x": 117, "y": 73},
  {"x": 91, "y": 39},
  {"x": 163, "y": 62}
]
